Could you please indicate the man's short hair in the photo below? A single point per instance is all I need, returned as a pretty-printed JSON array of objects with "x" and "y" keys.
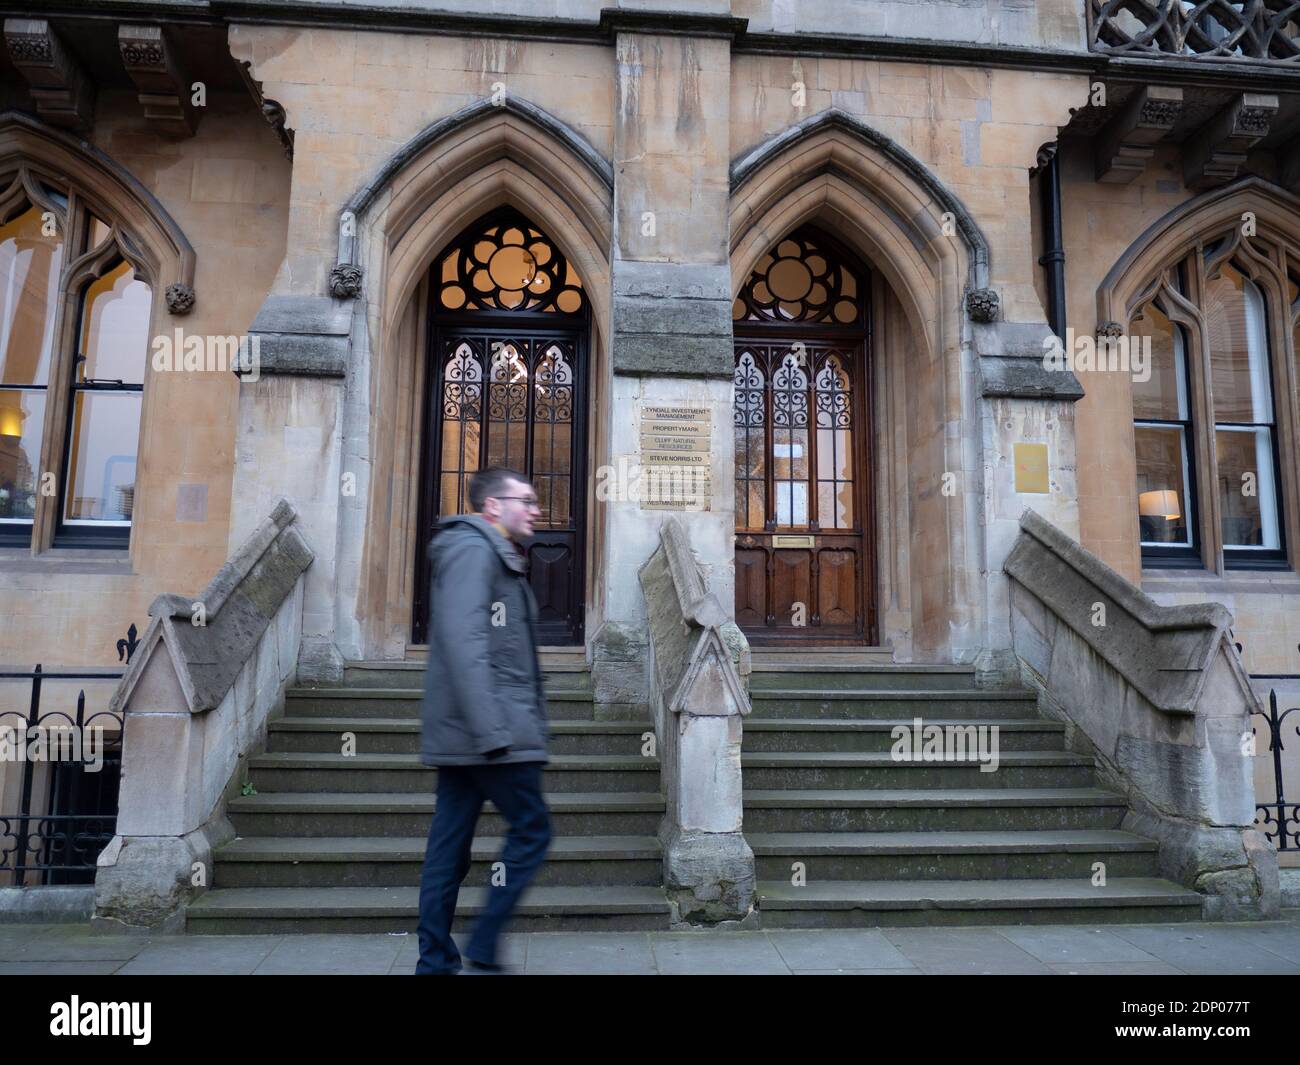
[{"x": 489, "y": 482}]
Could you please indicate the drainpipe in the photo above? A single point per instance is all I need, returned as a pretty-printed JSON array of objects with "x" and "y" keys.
[{"x": 1053, "y": 256}]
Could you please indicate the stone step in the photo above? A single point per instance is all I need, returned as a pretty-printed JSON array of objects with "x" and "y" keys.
[
  {"x": 566, "y": 672},
  {"x": 865, "y": 704},
  {"x": 1014, "y": 855},
  {"x": 279, "y": 911},
  {"x": 930, "y": 809},
  {"x": 405, "y": 703},
  {"x": 572, "y": 861},
  {"x": 821, "y": 734},
  {"x": 298, "y": 771},
  {"x": 900, "y": 903},
  {"x": 838, "y": 769},
  {"x": 393, "y": 814},
  {"x": 835, "y": 675},
  {"x": 801, "y": 656},
  {"x": 378, "y": 735}
]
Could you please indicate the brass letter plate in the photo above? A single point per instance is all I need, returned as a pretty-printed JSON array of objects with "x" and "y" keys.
[{"x": 794, "y": 541}]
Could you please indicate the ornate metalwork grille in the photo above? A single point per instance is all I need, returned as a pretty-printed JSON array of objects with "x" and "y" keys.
[
  {"x": 802, "y": 518},
  {"x": 507, "y": 264},
  {"x": 507, "y": 343},
  {"x": 1266, "y": 30}
]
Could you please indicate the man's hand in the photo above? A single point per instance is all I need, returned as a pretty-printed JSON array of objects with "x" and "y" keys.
[{"x": 499, "y": 752}]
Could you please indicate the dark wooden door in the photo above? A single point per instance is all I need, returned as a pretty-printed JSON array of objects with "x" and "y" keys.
[
  {"x": 804, "y": 556},
  {"x": 507, "y": 387}
]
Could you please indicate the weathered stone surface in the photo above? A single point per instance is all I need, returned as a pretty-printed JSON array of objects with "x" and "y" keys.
[
  {"x": 307, "y": 335},
  {"x": 698, "y": 700},
  {"x": 144, "y": 881},
  {"x": 671, "y": 318},
  {"x": 1026, "y": 378},
  {"x": 236, "y": 608},
  {"x": 1160, "y": 694},
  {"x": 46, "y": 904},
  {"x": 709, "y": 877}
]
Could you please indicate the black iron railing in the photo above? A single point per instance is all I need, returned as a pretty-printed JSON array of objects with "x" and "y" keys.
[
  {"x": 77, "y": 814},
  {"x": 1279, "y": 819}
]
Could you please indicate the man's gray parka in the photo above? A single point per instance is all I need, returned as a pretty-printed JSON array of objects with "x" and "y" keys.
[{"x": 483, "y": 690}]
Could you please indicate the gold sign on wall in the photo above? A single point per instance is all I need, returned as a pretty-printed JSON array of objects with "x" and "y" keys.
[
  {"x": 676, "y": 457},
  {"x": 1031, "y": 468}
]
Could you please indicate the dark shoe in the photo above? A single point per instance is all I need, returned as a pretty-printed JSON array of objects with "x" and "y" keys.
[{"x": 484, "y": 967}]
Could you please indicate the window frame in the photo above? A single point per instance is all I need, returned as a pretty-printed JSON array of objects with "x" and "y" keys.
[
  {"x": 1191, "y": 271},
  {"x": 23, "y": 185}
]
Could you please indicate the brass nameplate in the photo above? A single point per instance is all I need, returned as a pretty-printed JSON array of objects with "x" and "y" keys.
[
  {"x": 676, "y": 457},
  {"x": 794, "y": 541},
  {"x": 1031, "y": 468}
]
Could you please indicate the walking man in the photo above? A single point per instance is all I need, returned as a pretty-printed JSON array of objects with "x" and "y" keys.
[{"x": 483, "y": 715}]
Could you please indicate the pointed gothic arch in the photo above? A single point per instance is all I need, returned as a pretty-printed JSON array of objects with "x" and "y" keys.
[
  {"x": 925, "y": 251},
  {"x": 481, "y": 159}
]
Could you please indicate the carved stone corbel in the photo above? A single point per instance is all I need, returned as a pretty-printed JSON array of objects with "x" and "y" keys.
[
  {"x": 271, "y": 110},
  {"x": 1217, "y": 151},
  {"x": 982, "y": 305},
  {"x": 63, "y": 93},
  {"x": 165, "y": 91},
  {"x": 1128, "y": 141}
]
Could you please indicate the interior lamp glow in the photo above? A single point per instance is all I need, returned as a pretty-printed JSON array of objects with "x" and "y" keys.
[{"x": 1162, "y": 503}]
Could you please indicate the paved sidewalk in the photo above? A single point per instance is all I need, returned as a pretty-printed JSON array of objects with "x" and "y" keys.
[{"x": 1157, "y": 949}]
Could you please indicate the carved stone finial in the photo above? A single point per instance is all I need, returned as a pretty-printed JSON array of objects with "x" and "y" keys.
[
  {"x": 345, "y": 281},
  {"x": 1110, "y": 330},
  {"x": 180, "y": 298},
  {"x": 982, "y": 305}
]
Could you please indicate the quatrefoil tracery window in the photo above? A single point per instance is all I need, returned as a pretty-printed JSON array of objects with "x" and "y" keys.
[
  {"x": 801, "y": 281},
  {"x": 508, "y": 264}
]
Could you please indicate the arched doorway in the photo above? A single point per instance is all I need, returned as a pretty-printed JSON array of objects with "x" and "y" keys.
[
  {"x": 804, "y": 547},
  {"x": 506, "y": 385}
]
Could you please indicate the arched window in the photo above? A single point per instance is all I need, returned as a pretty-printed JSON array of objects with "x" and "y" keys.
[
  {"x": 75, "y": 306},
  {"x": 1209, "y": 421}
]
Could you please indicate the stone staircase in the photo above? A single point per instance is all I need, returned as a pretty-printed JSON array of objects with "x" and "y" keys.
[
  {"x": 884, "y": 842},
  {"x": 334, "y": 843}
]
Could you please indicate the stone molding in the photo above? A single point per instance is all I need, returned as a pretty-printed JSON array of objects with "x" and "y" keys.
[
  {"x": 1010, "y": 363},
  {"x": 746, "y": 165},
  {"x": 164, "y": 86},
  {"x": 1158, "y": 696},
  {"x": 164, "y": 250},
  {"x": 1162, "y": 651},
  {"x": 698, "y": 701},
  {"x": 306, "y": 336},
  {"x": 447, "y": 127},
  {"x": 238, "y": 605},
  {"x": 195, "y": 701},
  {"x": 59, "y": 85}
]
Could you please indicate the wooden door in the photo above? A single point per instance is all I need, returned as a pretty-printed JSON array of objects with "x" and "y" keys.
[
  {"x": 804, "y": 556},
  {"x": 507, "y": 387}
]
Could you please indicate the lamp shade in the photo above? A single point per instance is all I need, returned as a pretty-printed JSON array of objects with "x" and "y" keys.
[{"x": 1159, "y": 504}]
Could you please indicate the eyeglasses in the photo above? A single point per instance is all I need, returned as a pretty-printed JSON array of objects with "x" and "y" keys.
[{"x": 531, "y": 502}]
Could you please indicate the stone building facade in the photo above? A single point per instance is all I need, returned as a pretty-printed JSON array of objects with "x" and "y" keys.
[{"x": 833, "y": 239}]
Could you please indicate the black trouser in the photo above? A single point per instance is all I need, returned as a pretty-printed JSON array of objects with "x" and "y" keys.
[{"x": 516, "y": 791}]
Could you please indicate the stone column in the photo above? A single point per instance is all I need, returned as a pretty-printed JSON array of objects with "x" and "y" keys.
[{"x": 671, "y": 308}]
